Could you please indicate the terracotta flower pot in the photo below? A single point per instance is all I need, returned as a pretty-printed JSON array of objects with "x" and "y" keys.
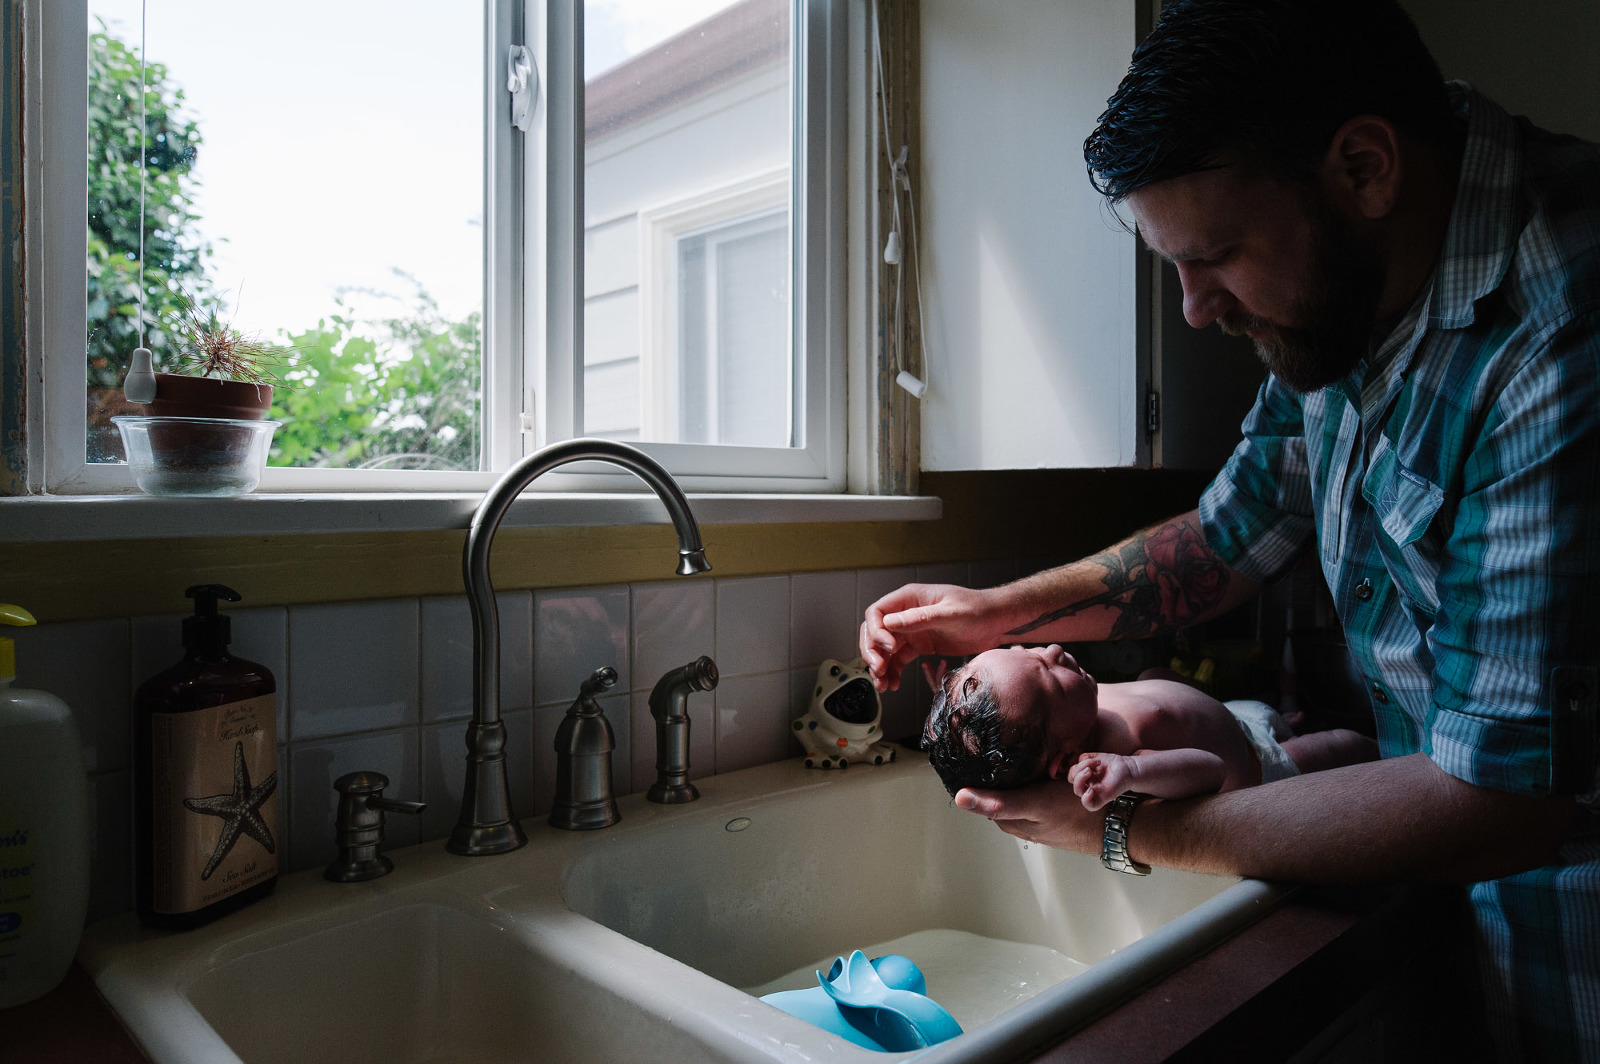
[{"x": 181, "y": 396}]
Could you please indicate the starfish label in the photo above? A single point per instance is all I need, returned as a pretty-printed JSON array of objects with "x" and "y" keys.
[{"x": 215, "y": 782}]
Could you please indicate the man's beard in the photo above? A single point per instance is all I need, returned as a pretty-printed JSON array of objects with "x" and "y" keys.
[{"x": 1339, "y": 308}]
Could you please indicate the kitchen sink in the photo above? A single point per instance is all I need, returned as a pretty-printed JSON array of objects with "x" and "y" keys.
[{"x": 655, "y": 938}]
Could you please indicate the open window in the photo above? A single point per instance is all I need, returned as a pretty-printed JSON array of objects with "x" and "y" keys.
[{"x": 470, "y": 231}]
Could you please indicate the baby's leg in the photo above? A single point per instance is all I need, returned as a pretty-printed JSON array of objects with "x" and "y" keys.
[{"x": 1315, "y": 751}]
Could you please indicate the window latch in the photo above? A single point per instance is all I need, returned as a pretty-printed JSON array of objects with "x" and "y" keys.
[
  {"x": 529, "y": 419},
  {"x": 522, "y": 82}
]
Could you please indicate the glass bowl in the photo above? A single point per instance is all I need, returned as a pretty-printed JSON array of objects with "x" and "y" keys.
[{"x": 195, "y": 456}]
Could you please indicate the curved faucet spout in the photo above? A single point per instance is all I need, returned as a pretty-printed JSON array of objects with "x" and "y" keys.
[{"x": 487, "y": 824}]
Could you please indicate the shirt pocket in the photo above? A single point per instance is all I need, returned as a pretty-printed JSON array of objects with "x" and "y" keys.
[{"x": 1405, "y": 504}]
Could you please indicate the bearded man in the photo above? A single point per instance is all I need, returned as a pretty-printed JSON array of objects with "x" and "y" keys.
[{"x": 1420, "y": 272}]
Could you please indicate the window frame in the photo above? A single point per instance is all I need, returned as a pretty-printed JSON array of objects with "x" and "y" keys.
[{"x": 533, "y": 259}]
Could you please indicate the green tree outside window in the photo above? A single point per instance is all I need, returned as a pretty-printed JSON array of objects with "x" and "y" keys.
[{"x": 402, "y": 391}]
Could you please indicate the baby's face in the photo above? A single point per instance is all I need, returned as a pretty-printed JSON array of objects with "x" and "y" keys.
[{"x": 1043, "y": 683}]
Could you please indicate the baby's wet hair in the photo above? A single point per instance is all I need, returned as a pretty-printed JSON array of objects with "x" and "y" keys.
[{"x": 970, "y": 745}]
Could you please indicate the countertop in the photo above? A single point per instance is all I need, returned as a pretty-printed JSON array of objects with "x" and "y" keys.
[{"x": 1309, "y": 977}]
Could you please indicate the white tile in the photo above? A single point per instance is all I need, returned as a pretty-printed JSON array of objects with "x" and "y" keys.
[
  {"x": 753, "y": 721},
  {"x": 546, "y": 719},
  {"x": 802, "y": 685},
  {"x": 111, "y": 851},
  {"x": 354, "y": 667},
  {"x": 903, "y": 713},
  {"x": 85, "y": 664},
  {"x": 257, "y": 635},
  {"x": 992, "y": 573},
  {"x": 575, "y": 631},
  {"x": 285, "y": 795},
  {"x": 943, "y": 573},
  {"x": 752, "y": 625},
  {"x": 1029, "y": 566},
  {"x": 674, "y": 622},
  {"x": 873, "y": 584},
  {"x": 823, "y": 622},
  {"x": 313, "y": 768},
  {"x": 702, "y": 738},
  {"x": 444, "y": 771},
  {"x": 447, "y": 655}
]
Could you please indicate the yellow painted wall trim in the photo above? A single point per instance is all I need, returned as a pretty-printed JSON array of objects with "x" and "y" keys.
[{"x": 1022, "y": 515}]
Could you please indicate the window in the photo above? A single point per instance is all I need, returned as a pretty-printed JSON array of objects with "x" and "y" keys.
[{"x": 637, "y": 262}]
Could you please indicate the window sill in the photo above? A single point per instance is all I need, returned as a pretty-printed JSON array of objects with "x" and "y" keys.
[{"x": 42, "y": 519}]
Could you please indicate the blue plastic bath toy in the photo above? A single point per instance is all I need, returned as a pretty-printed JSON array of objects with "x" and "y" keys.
[{"x": 878, "y": 1004}]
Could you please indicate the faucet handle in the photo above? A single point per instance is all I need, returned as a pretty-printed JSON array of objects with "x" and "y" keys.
[
  {"x": 358, "y": 826},
  {"x": 602, "y": 679}
]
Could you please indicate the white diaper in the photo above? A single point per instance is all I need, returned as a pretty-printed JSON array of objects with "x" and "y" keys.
[{"x": 1264, "y": 728}]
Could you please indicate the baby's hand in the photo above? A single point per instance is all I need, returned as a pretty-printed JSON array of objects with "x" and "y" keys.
[{"x": 1099, "y": 778}]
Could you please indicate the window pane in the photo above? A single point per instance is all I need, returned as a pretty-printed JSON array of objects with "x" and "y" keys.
[
  {"x": 314, "y": 178},
  {"x": 687, "y": 251}
]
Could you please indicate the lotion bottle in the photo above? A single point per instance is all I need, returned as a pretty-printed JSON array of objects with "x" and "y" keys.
[
  {"x": 205, "y": 777},
  {"x": 44, "y": 833}
]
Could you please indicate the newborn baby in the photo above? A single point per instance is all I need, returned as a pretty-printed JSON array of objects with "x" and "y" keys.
[{"x": 1016, "y": 716}]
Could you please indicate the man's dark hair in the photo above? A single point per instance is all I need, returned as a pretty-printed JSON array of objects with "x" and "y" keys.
[
  {"x": 971, "y": 746},
  {"x": 1265, "y": 83}
]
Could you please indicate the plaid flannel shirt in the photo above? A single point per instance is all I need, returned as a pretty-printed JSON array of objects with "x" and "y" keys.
[{"x": 1451, "y": 486}]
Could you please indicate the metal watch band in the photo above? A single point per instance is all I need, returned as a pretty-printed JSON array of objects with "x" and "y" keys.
[{"x": 1114, "y": 844}]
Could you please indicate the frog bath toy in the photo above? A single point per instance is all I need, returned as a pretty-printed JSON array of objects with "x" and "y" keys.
[{"x": 843, "y": 724}]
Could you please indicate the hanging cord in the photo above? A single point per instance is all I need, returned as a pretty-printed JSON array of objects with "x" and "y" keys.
[
  {"x": 143, "y": 129},
  {"x": 139, "y": 385},
  {"x": 900, "y": 177}
]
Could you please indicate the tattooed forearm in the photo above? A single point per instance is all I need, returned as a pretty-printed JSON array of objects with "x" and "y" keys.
[{"x": 1160, "y": 580}]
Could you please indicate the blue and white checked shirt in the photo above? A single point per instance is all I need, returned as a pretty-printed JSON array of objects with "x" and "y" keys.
[{"x": 1451, "y": 485}]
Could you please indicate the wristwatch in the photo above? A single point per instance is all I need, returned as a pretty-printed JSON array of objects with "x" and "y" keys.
[{"x": 1114, "y": 844}]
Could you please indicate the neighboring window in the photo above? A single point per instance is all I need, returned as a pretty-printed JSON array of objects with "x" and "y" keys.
[
  {"x": 734, "y": 374},
  {"x": 334, "y": 178},
  {"x": 686, "y": 312}
]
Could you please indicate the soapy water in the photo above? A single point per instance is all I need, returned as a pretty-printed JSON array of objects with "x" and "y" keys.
[{"x": 973, "y": 977}]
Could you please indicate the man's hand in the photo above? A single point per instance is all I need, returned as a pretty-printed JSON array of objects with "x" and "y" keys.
[
  {"x": 1047, "y": 813},
  {"x": 923, "y": 619}
]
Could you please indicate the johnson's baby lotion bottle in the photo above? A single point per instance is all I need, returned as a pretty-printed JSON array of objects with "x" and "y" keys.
[{"x": 44, "y": 833}]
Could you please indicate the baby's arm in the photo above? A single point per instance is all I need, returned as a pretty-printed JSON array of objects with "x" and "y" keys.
[{"x": 1099, "y": 778}]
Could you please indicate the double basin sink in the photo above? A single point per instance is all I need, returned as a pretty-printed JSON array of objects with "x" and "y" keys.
[{"x": 655, "y": 938}]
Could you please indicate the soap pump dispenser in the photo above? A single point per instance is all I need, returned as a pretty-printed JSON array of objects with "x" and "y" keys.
[
  {"x": 44, "y": 833},
  {"x": 206, "y": 777}
]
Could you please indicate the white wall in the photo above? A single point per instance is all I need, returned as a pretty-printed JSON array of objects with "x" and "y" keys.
[{"x": 1029, "y": 283}]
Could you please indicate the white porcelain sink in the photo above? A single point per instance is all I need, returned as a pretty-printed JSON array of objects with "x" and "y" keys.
[{"x": 653, "y": 939}]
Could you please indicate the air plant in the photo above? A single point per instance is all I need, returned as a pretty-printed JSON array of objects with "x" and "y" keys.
[{"x": 211, "y": 347}]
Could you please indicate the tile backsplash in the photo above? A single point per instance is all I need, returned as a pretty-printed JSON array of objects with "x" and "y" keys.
[{"x": 387, "y": 686}]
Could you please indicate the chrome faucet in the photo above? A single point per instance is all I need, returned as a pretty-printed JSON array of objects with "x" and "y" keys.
[
  {"x": 487, "y": 824},
  {"x": 669, "y": 705}
]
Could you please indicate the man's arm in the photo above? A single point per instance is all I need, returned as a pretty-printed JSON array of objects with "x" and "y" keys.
[
  {"x": 1157, "y": 580},
  {"x": 1382, "y": 821}
]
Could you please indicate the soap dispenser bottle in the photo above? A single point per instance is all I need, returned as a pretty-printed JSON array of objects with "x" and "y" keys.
[
  {"x": 585, "y": 797},
  {"x": 205, "y": 777},
  {"x": 44, "y": 833}
]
